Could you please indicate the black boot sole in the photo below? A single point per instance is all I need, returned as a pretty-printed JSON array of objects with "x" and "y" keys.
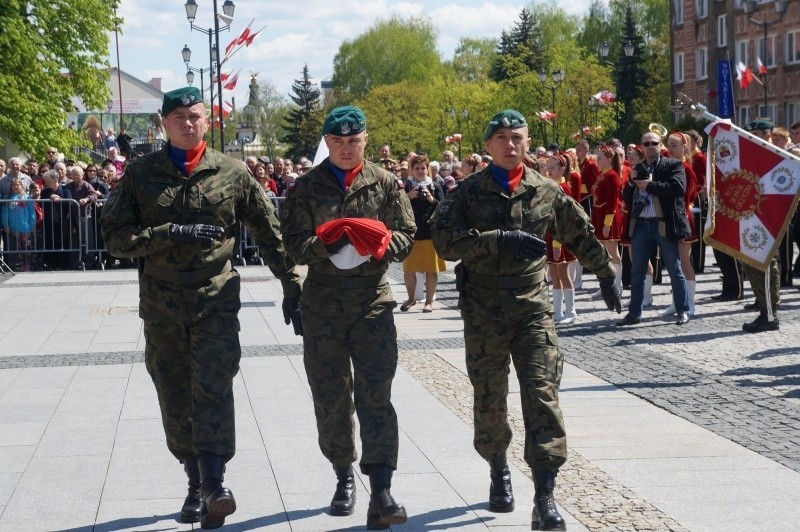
[
  {"x": 341, "y": 512},
  {"x": 536, "y": 526},
  {"x": 378, "y": 522},
  {"x": 192, "y": 517},
  {"x": 217, "y": 511},
  {"x": 501, "y": 508}
]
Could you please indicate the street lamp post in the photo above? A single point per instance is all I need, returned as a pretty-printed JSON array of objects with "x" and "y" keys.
[
  {"x": 781, "y": 6},
  {"x": 228, "y": 8},
  {"x": 557, "y": 76},
  {"x": 604, "y": 49},
  {"x": 187, "y": 56}
]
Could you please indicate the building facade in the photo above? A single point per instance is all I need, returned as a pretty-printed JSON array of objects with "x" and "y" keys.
[{"x": 711, "y": 37}]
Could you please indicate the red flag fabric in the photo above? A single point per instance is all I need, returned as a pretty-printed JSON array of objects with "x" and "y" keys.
[
  {"x": 231, "y": 84},
  {"x": 369, "y": 237},
  {"x": 761, "y": 68},
  {"x": 744, "y": 75},
  {"x": 753, "y": 188}
]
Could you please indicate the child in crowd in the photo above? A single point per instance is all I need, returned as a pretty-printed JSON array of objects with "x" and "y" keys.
[{"x": 19, "y": 221}]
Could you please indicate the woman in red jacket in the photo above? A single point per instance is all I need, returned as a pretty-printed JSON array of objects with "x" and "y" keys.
[
  {"x": 678, "y": 146},
  {"x": 607, "y": 206}
]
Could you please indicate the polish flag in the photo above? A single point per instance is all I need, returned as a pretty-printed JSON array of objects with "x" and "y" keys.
[
  {"x": 546, "y": 116},
  {"x": 761, "y": 68},
  {"x": 231, "y": 84},
  {"x": 222, "y": 77},
  {"x": 237, "y": 41},
  {"x": 744, "y": 75}
]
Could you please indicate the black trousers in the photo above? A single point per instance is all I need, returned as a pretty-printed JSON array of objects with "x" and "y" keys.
[{"x": 731, "y": 275}]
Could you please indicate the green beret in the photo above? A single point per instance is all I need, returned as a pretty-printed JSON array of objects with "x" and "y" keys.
[
  {"x": 759, "y": 124},
  {"x": 508, "y": 118},
  {"x": 183, "y": 97},
  {"x": 345, "y": 121}
]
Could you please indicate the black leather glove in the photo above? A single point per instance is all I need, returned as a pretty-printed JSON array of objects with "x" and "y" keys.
[
  {"x": 291, "y": 314},
  {"x": 195, "y": 233},
  {"x": 334, "y": 247},
  {"x": 612, "y": 294},
  {"x": 521, "y": 244}
]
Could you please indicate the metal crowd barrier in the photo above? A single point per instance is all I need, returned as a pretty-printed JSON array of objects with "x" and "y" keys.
[
  {"x": 42, "y": 234},
  {"x": 66, "y": 238}
]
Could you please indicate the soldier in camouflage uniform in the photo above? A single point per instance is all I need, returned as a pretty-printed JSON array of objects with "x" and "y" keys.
[
  {"x": 347, "y": 313},
  {"x": 756, "y": 277},
  {"x": 177, "y": 210},
  {"x": 495, "y": 223}
]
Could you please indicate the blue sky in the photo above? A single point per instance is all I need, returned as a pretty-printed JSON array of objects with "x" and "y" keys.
[{"x": 298, "y": 32}]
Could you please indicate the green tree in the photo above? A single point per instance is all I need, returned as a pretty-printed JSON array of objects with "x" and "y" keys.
[
  {"x": 631, "y": 78},
  {"x": 304, "y": 119},
  {"x": 51, "y": 52},
  {"x": 389, "y": 52},
  {"x": 472, "y": 61},
  {"x": 271, "y": 110},
  {"x": 519, "y": 50},
  {"x": 403, "y": 115}
]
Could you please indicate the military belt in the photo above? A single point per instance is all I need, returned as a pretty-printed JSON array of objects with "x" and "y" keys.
[
  {"x": 347, "y": 283},
  {"x": 502, "y": 282},
  {"x": 192, "y": 277}
]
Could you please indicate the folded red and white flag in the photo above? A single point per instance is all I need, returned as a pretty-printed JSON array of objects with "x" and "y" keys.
[{"x": 753, "y": 189}]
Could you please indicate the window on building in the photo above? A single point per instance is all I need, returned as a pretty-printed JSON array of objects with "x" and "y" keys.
[
  {"x": 701, "y": 63},
  {"x": 744, "y": 115},
  {"x": 770, "y": 62},
  {"x": 792, "y": 112},
  {"x": 678, "y": 4},
  {"x": 722, "y": 31},
  {"x": 741, "y": 52},
  {"x": 793, "y": 47},
  {"x": 767, "y": 112},
  {"x": 700, "y": 9},
  {"x": 678, "y": 74}
]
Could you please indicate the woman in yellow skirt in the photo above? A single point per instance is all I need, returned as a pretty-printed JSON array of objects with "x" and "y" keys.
[{"x": 424, "y": 194}]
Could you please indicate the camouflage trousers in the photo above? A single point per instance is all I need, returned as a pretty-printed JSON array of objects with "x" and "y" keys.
[
  {"x": 192, "y": 364},
  {"x": 343, "y": 327},
  {"x": 756, "y": 278},
  {"x": 492, "y": 340}
]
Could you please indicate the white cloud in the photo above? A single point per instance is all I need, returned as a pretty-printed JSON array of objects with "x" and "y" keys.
[{"x": 298, "y": 32}]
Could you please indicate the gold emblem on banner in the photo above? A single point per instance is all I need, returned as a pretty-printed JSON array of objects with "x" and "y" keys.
[{"x": 739, "y": 194}]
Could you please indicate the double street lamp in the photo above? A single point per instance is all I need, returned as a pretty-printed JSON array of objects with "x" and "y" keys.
[
  {"x": 228, "y": 8},
  {"x": 604, "y": 49},
  {"x": 781, "y": 6},
  {"x": 558, "y": 77},
  {"x": 186, "y": 53}
]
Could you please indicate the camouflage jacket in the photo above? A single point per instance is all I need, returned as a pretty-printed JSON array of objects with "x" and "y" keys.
[
  {"x": 154, "y": 194},
  {"x": 465, "y": 225},
  {"x": 317, "y": 198}
]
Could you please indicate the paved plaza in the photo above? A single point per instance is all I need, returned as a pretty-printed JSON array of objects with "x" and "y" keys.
[{"x": 669, "y": 428}]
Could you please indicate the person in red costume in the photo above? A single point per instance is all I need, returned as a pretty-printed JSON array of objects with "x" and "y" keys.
[
  {"x": 559, "y": 257},
  {"x": 607, "y": 206}
]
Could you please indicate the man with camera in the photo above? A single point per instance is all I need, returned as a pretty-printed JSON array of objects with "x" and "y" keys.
[
  {"x": 654, "y": 198},
  {"x": 495, "y": 223}
]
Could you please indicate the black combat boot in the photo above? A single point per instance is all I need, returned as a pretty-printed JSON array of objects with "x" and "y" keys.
[
  {"x": 762, "y": 324},
  {"x": 545, "y": 514},
  {"x": 501, "y": 497},
  {"x": 344, "y": 499},
  {"x": 193, "y": 505},
  {"x": 218, "y": 501},
  {"x": 383, "y": 510}
]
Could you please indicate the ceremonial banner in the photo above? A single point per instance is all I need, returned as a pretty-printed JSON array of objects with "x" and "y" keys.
[
  {"x": 724, "y": 90},
  {"x": 753, "y": 192}
]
